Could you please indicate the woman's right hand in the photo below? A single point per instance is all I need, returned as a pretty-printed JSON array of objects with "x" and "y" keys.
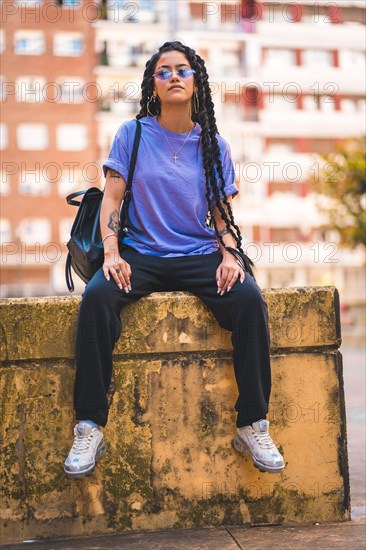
[{"x": 119, "y": 269}]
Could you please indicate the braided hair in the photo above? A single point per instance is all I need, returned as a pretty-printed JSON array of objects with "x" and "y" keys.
[{"x": 210, "y": 146}]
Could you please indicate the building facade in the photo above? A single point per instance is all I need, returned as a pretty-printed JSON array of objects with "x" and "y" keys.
[
  {"x": 48, "y": 136},
  {"x": 288, "y": 84}
]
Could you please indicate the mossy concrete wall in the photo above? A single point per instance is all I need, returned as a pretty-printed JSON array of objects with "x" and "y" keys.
[{"x": 170, "y": 462}]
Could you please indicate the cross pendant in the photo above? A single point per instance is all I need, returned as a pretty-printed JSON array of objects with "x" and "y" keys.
[{"x": 175, "y": 158}]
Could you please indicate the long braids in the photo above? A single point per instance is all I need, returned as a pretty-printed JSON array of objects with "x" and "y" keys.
[{"x": 210, "y": 146}]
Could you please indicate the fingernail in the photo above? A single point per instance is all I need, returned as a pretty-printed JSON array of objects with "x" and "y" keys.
[
  {"x": 108, "y": 278},
  {"x": 129, "y": 288},
  {"x": 126, "y": 290},
  {"x": 242, "y": 280},
  {"x": 228, "y": 288},
  {"x": 120, "y": 286},
  {"x": 222, "y": 293},
  {"x": 218, "y": 290}
]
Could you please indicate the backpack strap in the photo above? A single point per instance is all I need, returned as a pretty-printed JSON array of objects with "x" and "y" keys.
[
  {"x": 133, "y": 156},
  {"x": 131, "y": 170},
  {"x": 69, "y": 281},
  {"x": 72, "y": 196}
]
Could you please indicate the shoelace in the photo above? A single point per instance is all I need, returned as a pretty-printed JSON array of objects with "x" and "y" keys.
[
  {"x": 264, "y": 439},
  {"x": 82, "y": 442}
]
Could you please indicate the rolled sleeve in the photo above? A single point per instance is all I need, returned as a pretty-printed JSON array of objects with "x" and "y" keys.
[
  {"x": 116, "y": 165},
  {"x": 228, "y": 173}
]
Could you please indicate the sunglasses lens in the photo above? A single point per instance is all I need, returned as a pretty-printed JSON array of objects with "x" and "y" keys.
[
  {"x": 182, "y": 73},
  {"x": 163, "y": 75},
  {"x": 185, "y": 73}
]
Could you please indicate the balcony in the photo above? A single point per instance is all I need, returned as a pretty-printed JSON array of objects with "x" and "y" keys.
[
  {"x": 305, "y": 35},
  {"x": 311, "y": 123}
]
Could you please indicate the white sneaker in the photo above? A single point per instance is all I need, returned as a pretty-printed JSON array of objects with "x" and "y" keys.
[
  {"x": 87, "y": 449},
  {"x": 256, "y": 441}
]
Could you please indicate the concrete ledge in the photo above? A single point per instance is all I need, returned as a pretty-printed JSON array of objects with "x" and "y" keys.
[
  {"x": 170, "y": 463},
  {"x": 43, "y": 328}
]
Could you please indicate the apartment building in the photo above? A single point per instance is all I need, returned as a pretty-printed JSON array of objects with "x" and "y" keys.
[
  {"x": 288, "y": 83},
  {"x": 49, "y": 102}
]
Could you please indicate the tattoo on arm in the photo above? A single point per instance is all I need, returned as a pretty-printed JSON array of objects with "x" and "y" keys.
[
  {"x": 114, "y": 174},
  {"x": 114, "y": 221},
  {"x": 223, "y": 232}
]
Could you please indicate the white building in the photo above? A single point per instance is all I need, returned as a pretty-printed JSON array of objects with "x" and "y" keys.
[{"x": 288, "y": 84}]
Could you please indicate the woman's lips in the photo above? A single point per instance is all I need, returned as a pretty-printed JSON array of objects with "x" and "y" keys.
[{"x": 176, "y": 88}]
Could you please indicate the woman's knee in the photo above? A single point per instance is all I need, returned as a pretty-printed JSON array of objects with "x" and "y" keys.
[
  {"x": 248, "y": 295},
  {"x": 250, "y": 313},
  {"x": 98, "y": 290}
]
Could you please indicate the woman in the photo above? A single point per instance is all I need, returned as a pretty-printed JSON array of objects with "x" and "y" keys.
[{"x": 184, "y": 175}]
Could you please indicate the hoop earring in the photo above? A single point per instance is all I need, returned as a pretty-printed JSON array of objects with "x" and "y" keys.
[
  {"x": 154, "y": 100},
  {"x": 196, "y": 103}
]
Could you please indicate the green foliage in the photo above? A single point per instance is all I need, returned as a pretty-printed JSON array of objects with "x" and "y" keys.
[{"x": 343, "y": 181}]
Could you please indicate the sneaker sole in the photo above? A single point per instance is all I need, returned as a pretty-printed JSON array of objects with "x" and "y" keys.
[
  {"x": 102, "y": 449},
  {"x": 242, "y": 448}
]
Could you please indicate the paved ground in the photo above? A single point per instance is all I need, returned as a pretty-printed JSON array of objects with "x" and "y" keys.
[{"x": 342, "y": 536}]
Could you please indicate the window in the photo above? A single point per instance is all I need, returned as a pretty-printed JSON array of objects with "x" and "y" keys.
[
  {"x": 28, "y": 42},
  {"x": 68, "y": 43},
  {"x": 324, "y": 103},
  {"x": 71, "y": 137},
  {"x": 5, "y": 231},
  {"x": 310, "y": 103},
  {"x": 253, "y": 146},
  {"x": 32, "y": 137},
  {"x": 348, "y": 105},
  {"x": 70, "y": 89},
  {"x": 280, "y": 103},
  {"x": 320, "y": 145},
  {"x": 352, "y": 59},
  {"x": 3, "y": 84},
  {"x": 36, "y": 230},
  {"x": 353, "y": 15},
  {"x": 71, "y": 3},
  {"x": 4, "y": 183},
  {"x": 353, "y": 105},
  {"x": 318, "y": 58},
  {"x": 280, "y": 148},
  {"x": 32, "y": 183},
  {"x": 280, "y": 57},
  {"x": 2, "y": 40},
  {"x": 327, "y": 104},
  {"x": 71, "y": 180},
  {"x": 3, "y": 136},
  {"x": 29, "y": 3},
  {"x": 29, "y": 89},
  {"x": 361, "y": 105},
  {"x": 231, "y": 60}
]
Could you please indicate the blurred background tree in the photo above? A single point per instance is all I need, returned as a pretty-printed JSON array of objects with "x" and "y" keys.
[{"x": 342, "y": 180}]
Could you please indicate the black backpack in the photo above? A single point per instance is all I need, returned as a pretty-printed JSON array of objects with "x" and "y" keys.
[{"x": 86, "y": 251}]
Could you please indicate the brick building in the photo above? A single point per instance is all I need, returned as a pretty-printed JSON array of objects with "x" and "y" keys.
[{"x": 48, "y": 135}]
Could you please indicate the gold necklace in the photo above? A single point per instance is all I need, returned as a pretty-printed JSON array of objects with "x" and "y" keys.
[{"x": 175, "y": 158}]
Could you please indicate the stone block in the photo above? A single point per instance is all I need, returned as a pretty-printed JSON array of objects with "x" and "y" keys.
[{"x": 170, "y": 461}]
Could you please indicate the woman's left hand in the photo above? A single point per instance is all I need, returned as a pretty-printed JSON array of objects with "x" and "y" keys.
[{"x": 227, "y": 274}]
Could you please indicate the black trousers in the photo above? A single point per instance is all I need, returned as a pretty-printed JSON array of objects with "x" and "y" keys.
[{"x": 242, "y": 310}]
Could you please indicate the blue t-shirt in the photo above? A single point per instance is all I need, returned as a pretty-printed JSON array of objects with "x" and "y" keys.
[{"x": 168, "y": 203}]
